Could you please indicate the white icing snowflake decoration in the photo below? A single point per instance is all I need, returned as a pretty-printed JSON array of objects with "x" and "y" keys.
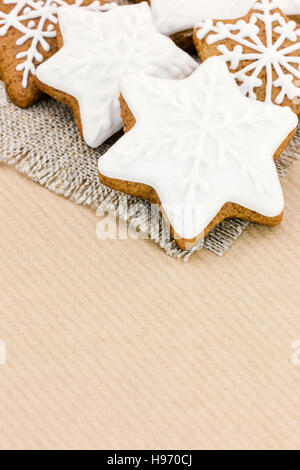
[
  {"x": 270, "y": 54},
  {"x": 35, "y": 14}
]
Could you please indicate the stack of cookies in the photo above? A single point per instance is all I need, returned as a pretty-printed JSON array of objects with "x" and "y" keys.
[{"x": 200, "y": 141}]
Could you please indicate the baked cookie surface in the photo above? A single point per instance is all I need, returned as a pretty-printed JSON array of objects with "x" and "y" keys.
[
  {"x": 27, "y": 37},
  {"x": 199, "y": 149},
  {"x": 262, "y": 51}
]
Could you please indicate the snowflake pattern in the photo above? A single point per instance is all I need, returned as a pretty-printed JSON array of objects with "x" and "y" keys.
[
  {"x": 36, "y": 20},
  {"x": 274, "y": 45},
  {"x": 200, "y": 144}
]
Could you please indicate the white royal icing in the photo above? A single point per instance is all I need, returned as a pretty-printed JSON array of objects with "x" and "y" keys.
[
  {"x": 200, "y": 144},
  {"x": 289, "y": 7},
  {"x": 172, "y": 16},
  {"x": 98, "y": 50},
  {"x": 269, "y": 55},
  {"x": 29, "y": 17}
]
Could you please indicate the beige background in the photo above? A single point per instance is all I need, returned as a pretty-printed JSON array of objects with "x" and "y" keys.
[{"x": 114, "y": 345}]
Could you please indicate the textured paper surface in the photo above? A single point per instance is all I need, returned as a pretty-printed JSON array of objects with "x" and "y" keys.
[{"x": 115, "y": 345}]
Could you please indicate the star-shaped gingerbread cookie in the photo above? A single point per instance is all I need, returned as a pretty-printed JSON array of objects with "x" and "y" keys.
[
  {"x": 177, "y": 18},
  {"x": 262, "y": 51},
  {"x": 95, "y": 53},
  {"x": 27, "y": 37},
  {"x": 199, "y": 149}
]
